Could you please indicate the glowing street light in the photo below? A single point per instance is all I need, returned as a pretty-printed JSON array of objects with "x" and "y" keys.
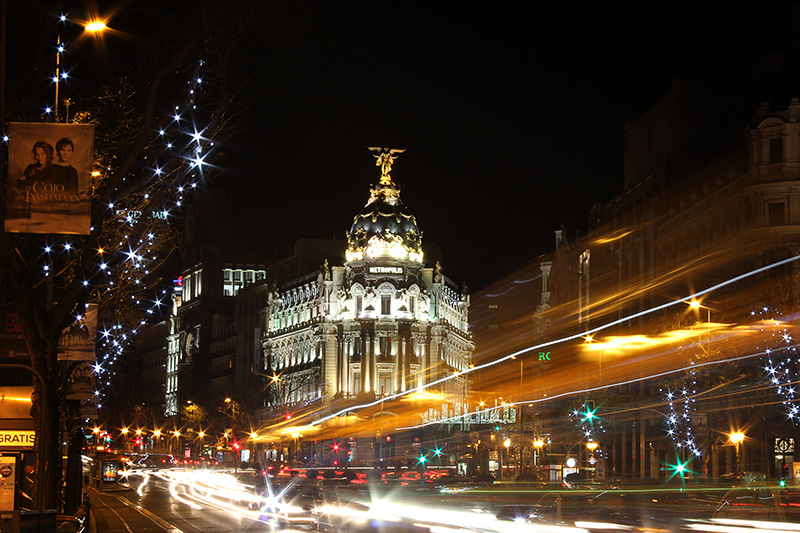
[
  {"x": 737, "y": 438},
  {"x": 538, "y": 444},
  {"x": 95, "y": 26}
]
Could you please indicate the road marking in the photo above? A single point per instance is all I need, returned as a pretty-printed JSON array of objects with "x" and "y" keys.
[
  {"x": 160, "y": 522},
  {"x": 124, "y": 523}
]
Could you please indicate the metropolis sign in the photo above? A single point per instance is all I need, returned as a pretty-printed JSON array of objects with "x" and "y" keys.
[{"x": 385, "y": 270}]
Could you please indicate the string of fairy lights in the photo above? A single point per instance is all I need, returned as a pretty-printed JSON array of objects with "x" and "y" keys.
[
  {"x": 681, "y": 406},
  {"x": 586, "y": 418},
  {"x": 182, "y": 150},
  {"x": 136, "y": 221},
  {"x": 779, "y": 362}
]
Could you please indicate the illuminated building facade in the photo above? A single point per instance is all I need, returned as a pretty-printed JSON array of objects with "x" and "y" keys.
[{"x": 380, "y": 324}]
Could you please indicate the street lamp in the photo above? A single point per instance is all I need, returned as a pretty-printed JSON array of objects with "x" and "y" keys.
[
  {"x": 124, "y": 432},
  {"x": 696, "y": 305},
  {"x": 538, "y": 444},
  {"x": 592, "y": 446},
  {"x": 94, "y": 27},
  {"x": 737, "y": 438}
]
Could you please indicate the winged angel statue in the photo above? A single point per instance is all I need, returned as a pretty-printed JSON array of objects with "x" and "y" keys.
[{"x": 385, "y": 158}]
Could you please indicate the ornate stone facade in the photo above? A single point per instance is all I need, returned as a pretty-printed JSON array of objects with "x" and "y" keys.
[{"x": 381, "y": 324}]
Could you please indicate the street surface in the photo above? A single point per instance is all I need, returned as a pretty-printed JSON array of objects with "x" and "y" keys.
[{"x": 178, "y": 501}]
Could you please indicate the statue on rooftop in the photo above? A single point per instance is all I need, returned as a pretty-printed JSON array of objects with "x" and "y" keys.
[{"x": 384, "y": 159}]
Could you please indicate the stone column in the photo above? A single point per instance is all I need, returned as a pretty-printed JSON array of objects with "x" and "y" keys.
[
  {"x": 330, "y": 361},
  {"x": 402, "y": 357},
  {"x": 373, "y": 368},
  {"x": 365, "y": 343}
]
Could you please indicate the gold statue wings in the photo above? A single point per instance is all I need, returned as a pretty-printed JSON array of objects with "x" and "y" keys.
[{"x": 384, "y": 159}]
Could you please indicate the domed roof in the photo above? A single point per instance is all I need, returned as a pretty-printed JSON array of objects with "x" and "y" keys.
[{"x": 384, "y": 228}]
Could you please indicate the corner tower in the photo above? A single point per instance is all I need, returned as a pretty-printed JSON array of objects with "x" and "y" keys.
[
  {"x": 404, "y": 325},
  {"x": 380, "y": 324}
]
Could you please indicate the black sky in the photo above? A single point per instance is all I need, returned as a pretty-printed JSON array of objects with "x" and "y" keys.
[{"x": 511, "y": 116}]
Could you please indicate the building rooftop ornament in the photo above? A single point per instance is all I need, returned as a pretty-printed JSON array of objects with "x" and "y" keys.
[
  {"x": 384, "y": 229},
  {"x": 384, "y": 159}
]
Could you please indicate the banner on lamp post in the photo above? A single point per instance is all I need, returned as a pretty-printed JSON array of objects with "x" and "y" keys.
[
  {"x": 77, "y": 342},
  {"x": 49, "y": 178}
]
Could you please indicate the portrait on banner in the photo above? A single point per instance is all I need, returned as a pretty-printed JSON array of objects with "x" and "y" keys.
[{"x": 49, "y": 178}]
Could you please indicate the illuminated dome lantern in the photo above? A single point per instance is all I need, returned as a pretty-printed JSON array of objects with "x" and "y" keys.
[{"x": 384, "y": 229}]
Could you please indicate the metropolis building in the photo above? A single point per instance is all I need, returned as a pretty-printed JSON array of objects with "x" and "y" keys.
[{"x": 380, "y": 324}]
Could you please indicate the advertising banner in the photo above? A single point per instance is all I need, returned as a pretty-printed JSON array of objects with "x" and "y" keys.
[
  {"x": 12, "y": 346},
  {"x": 49, "y": 178},
  {"x": 110, "y": 471},
  {"x": 8, "y": 482},
  {"x": 78, "y": 340}
]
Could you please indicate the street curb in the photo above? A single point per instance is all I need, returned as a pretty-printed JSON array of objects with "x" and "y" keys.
[{"x": 92, "y": 527}]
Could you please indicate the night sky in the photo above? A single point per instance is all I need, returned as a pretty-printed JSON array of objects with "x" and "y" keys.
[
  {"x": 512, "y": 117},
  {"x": 511, "y": 113}
]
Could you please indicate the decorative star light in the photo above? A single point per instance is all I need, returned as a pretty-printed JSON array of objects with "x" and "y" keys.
[{"x": 779, "y": 359}]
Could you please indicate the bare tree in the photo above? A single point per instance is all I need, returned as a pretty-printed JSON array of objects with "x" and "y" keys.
[{"x": 161, "y": 111}]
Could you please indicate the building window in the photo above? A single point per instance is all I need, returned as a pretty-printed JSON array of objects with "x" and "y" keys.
[
  {"x": 776, "y": 150},
  {"x": 359, "y": 304},
  {"x": 776, "y": 213},
  {"x": 386, "y": 304},
  {"x": 385, "y": 384},
  {"x": 383, "y": 346},
  {"x": 412, "y": 305}
]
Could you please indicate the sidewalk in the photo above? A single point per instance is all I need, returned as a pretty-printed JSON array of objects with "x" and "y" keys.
[{"x": 91, "y": 523}]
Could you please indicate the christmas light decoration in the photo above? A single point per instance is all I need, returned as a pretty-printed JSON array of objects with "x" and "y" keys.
[{"x": 134, "y": 231}]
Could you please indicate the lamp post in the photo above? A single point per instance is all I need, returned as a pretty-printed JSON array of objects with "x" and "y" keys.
[
  {"x": 592, "y": 446},
  {"x": 507, "y": 445},
  {"x": 696, "y": 305},
  {"x": 538, "y": 444},
  {"x": 177, "y": 435},
  {"x": 737, "y": 438},
  {"x": 124, "y": 432},
  {"x": 95, "y": 27}
]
